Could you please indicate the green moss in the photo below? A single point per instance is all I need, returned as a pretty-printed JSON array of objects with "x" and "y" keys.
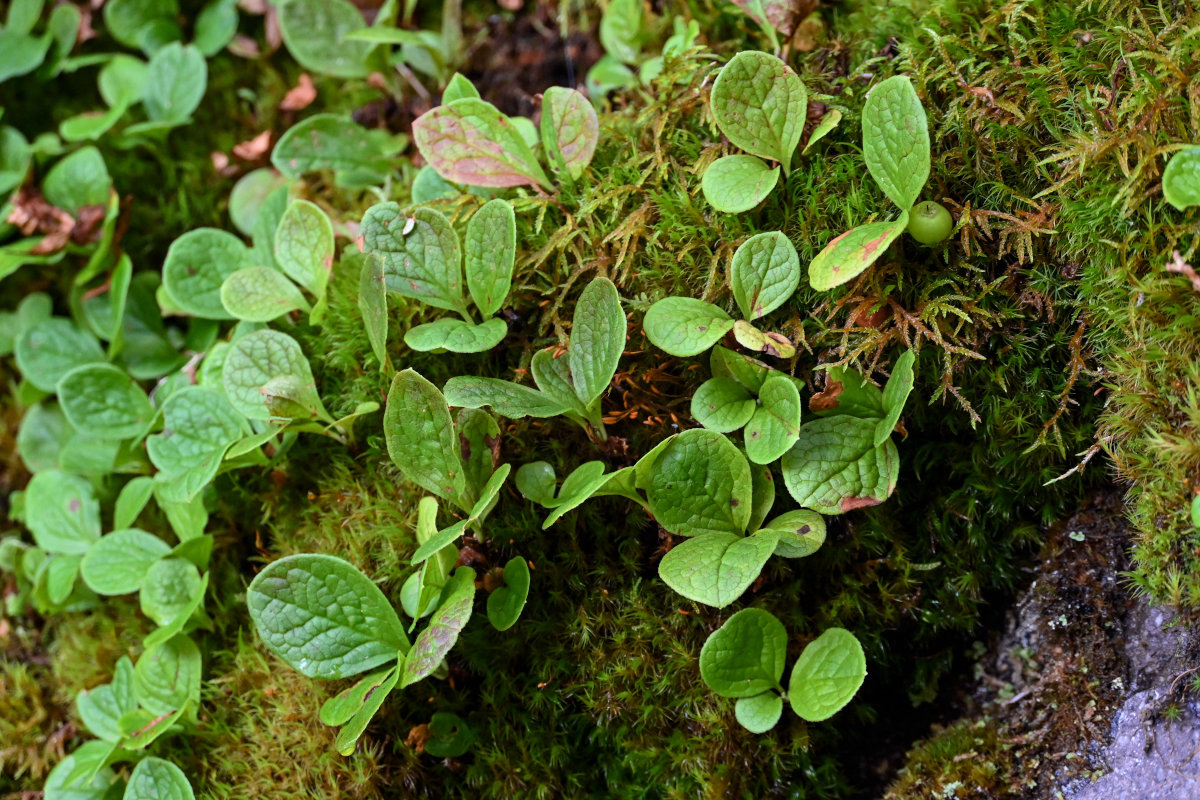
[
  {"x": 967, "y": 759},
  {"x": 1047, "y": 314}
]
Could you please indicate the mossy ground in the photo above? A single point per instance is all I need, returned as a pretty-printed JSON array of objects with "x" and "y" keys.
[{"x": 1046, "y": 319}]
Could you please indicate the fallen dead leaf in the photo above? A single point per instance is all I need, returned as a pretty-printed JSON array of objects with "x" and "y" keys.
[
  {"x": 89, "y": 224},
  {"x": 253, "y": 149},
  {"x": 300, "y": 96},
  {"x": 417, "y": 737},
  {"x": 31, "y": 214}
]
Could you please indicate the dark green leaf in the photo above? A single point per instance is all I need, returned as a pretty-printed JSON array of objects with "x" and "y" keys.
[{"x": 324, "y": 617}]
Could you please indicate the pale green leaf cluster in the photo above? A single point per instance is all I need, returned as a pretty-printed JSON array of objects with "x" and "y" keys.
[
  {"x": 327, "y": 620},
  {"x": 896, "y": 150},
  {"x": 420, "y": 256},
  {"x": 469, "y": 141},
  {"x": 761, "y": 106},
  {"x": 744, "y": 659},
  {"x": 302, "y": 250},
  {"x": 569, "y": 384},
  {"x": 157, "y": 697},
  {"x": 763, "y": 275}
]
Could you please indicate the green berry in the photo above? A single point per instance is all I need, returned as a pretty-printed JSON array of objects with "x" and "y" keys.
[{"x": 929, "y": 222}]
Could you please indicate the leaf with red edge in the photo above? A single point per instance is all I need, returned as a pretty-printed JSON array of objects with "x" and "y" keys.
[
  {"x": 447, "y": 622},
  {"x": 847, "y": 256},
  {"x": 570, "y": 129},
  {"x": 469, "y": 141}
]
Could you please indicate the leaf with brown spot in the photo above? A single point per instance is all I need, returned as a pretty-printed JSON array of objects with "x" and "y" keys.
[{"x": 847, "y": 256}]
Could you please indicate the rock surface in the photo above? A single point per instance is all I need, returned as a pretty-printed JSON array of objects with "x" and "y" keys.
[{"x": 1152, "y": 756}]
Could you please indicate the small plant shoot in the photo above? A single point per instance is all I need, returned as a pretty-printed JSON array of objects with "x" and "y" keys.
[
  {"x": 896, "y": 151},
  {"x": 764, "y": 274}
]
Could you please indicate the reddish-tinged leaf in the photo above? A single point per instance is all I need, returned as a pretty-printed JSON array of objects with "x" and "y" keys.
[
  {"x": 849, "y": 254},
  {"x": 447, "y": 622},
  {"x": 469, "y": 141},
  {"x": 570, "y": 128}
]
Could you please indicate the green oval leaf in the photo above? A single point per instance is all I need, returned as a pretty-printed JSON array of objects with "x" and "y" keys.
[
  {"x": 684, "y": 326},
  {"x": 420, "y": 253},
  {"x": 260, "y": 294},
  {"x": 47, "y": 350},
  {"x": 489, "y": 255},
  {"x": 167, "y": 676},
  {"x": 469, "y": 141},
  {"x": 101, "y": 708},
  {"x": 197, "y": 265},
  {"x": 504, "y": 605},
  {"x": 775, "y": 426},
  {"x": 827, "y": 675},
  {"x": 62, "y": 513},
  {"x": 570, "y": 129},
  {"x": 266, "y": 375},
  {"x": 249, "y": 194},
  {"x": 597, "y": 340},
  {"x": 745, "y": 656},
  {"x": 895, "y": 394},
  {"x": 896, "y": 140},
  {"x": 118, "y": 563},
  {"x": 372, "y": 304},
  {"x": 156, "y": 779},
  {"x": 620, "y": 29},
  {"x": 1181, "y": 179},
  {"x": 700, "y": 483},
  {"x": 315, "y": 34},
  {"x": 420, "y": 436},
  {"x": 175, "y": 80},
  {"x": 716, "y": 568},
  {"x": 801, "y": 533},
  {"x": 764, "y": 274},
  {"x": 722, "y": 405},
  {"x": 738, "y": 183},
  {"x": 199, "y": 426},
  {"x": 511, "y": 400},
  {"x": 333, "y": 142},
  {"x": 69, "y": 779},
  {"x": 323, "y": 617},
  {"x": 78, "y": 180},
  {"x": 848, "y": 255},
  {"x": 168, "y": 589},
  {"x": 536, "y": 482},
  {"x": 835, "y": 467},
  {"x": 760, "y": 713},
  {"x": 760, "y": 104},
  {"x": 747, "y": 371},
  {"x": 304, "y": 246},
  {"x": 456, "y": 335},
  {"x": 101, "y": 400},
  {"x": 438, "y": 638}
]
